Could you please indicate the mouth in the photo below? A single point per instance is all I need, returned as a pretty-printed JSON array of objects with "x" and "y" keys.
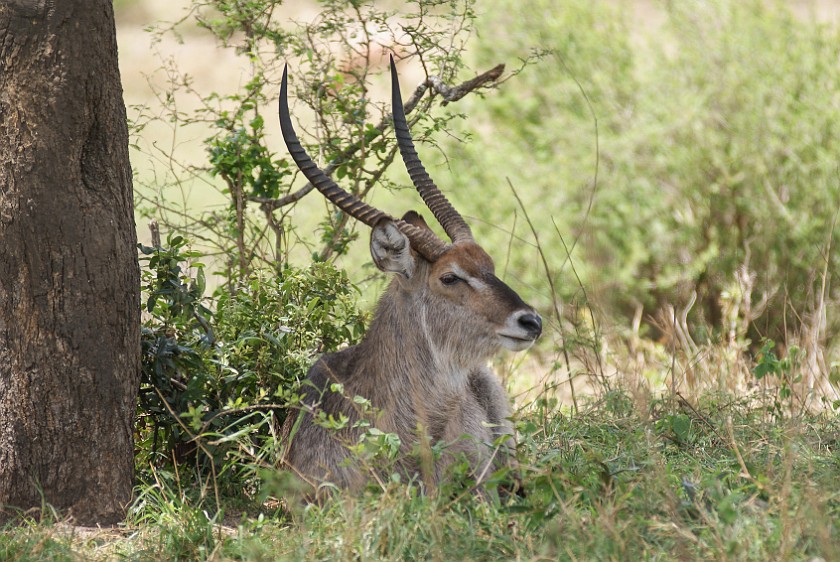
[{"x": 515, "y": 343}]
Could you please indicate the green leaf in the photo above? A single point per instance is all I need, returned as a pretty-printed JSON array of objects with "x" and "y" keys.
[{"x": 681, "y": 426}]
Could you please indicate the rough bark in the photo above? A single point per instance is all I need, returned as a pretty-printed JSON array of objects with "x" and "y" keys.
[{"x": 69, "y": 286}]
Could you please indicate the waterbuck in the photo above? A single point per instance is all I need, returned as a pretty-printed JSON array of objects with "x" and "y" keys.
[{"x": 422, "y": 363}]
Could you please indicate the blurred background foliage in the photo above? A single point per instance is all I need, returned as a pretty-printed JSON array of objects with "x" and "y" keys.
[{"x": 714, "y": 151}]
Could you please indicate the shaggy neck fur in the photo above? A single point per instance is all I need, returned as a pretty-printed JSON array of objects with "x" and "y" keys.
[{"x": 409, "y": 366}]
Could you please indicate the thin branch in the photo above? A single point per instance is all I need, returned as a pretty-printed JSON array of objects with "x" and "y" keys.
[
  {"x": 556, "y": 304},
  {"x": 450, "y": 94},
  {"x": 597, "y": 151}
]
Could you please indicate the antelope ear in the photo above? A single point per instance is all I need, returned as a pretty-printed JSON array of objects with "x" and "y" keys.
[
  {"x": 391, "y": 249},
  {"x": 415, "y": 219}
]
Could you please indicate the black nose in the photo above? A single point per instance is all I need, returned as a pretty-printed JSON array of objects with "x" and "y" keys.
[{"x": 531, "y": 322}]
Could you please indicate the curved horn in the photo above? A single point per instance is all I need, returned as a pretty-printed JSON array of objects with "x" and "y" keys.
[
  {"x": 423, "y": 241},
  {"x": 451, "y": 221}
]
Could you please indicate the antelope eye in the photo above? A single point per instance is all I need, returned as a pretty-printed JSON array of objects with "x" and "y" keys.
[{"x": 450, "y": 279}]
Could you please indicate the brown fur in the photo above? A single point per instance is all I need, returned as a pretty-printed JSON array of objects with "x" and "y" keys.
[{"x": 422, "y": 365}]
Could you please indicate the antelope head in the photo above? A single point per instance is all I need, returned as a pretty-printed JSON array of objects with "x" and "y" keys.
[{"x": 452, "y": 286}]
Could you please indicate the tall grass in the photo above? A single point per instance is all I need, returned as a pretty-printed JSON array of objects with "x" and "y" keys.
[{"x": 624, "y": 479}]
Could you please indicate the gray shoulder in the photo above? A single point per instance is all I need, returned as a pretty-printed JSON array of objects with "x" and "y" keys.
[
  {"x": 487, "y": 389},
  {"x": 485, "y": 385},
  {"x": 330, "y": 368}
]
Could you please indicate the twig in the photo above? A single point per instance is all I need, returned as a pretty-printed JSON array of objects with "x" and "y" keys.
[
  {"x": 745, "y": 472},
  {"x": 450, "y": 94},
  {"x": 196, "y": 439},
  {"x": 154, "y": 230},
  {"x": 604, "y": 380},
  {"x": 597, "y": 151},
  {"x": 701, "y": 417}
]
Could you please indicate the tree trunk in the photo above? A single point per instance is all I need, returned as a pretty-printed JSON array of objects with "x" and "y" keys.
[{"x": 69, "y": 278}]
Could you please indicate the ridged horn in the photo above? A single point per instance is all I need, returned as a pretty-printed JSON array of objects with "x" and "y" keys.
[
  {"x": 423, "y": 241},
  {"x": 453, "y": 224}
]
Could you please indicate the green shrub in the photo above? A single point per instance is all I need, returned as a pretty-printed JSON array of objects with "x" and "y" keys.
[
  {"x": 176, "y": 347},
  {"x": 273, "y": 327},
  {"x": 217, "y": 371}
]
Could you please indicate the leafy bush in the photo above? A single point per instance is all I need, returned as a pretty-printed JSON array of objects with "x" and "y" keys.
[
  {"x": 175, "y": 348},
  {"x": 273, "y": 327},
  {"x": 216, "y": 372}
]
